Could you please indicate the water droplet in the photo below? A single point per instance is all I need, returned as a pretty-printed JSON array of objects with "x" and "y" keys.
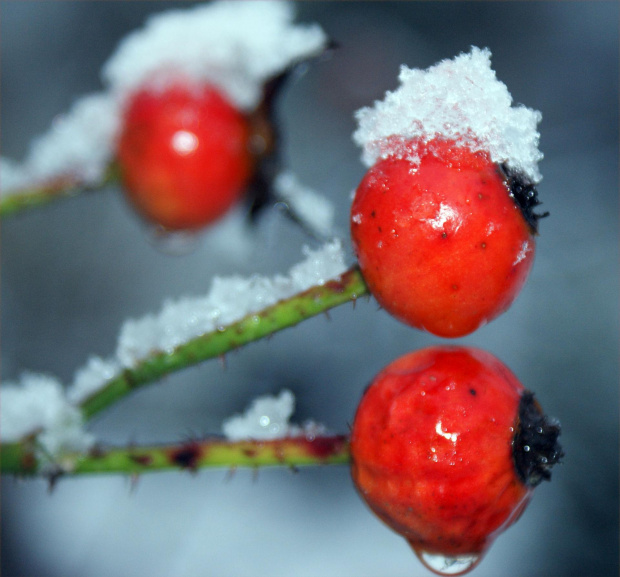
[
  {"x": 448, "y": 565},
  {"x": 173, "y": 243}
]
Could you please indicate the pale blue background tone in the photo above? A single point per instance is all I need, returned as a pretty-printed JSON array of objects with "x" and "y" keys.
[{"x": 71, "y": 274}]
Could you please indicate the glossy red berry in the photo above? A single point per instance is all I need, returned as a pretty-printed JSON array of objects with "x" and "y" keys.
[
  {"x": 184, "y": 155},
  {"x": 446, "y": 448},
  {"x": 444, "y": 246}
]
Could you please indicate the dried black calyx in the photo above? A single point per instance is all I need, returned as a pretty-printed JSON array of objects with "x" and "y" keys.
[
  {"x": 525, "y": 194},
  {"x": 535, "y": 447}
]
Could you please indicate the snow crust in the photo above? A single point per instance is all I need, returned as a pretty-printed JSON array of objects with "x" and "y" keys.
[
  {"x": 459, "y": 99},
  {"x": 315, "y": 211},
  {"x": 230, "y": 299},
  {"x": 37, "y": 404},
  {"x": 267, "y": 418},
  {"x": 235, "y": 45}
]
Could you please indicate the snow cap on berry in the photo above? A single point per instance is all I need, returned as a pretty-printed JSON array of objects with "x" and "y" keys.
[
  {"x": 236, "y": 46},
  {"x": 459, "y": 99}
]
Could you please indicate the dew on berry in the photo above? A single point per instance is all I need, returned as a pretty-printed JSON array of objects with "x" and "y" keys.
[
  {"x": 446, "y": 565},
  {"x": 172, "y": 242}
]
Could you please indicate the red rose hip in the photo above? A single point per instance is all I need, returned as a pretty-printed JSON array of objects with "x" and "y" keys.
[
  {"x": 445, "y": 244},
  {"x": 184, "y": 155},
  {"x": 446, "y": 448}
]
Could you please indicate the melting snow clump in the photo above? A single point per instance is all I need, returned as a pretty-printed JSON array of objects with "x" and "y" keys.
[
  {"x": 459, "y": 99},
  {"x": 268, "y": 418},
  {"x": 38, "y": 404}
]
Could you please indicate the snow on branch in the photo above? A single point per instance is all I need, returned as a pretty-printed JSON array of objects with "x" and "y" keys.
[
  {"x": 229, "y": 300},
  {"x": 37, "y": 405},
  {"x": 459, "y": 99},
  {"x": 268, "y": 418}
]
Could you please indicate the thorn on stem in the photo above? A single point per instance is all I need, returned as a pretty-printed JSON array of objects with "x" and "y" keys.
[
  {"x": 133, "y": 483},
  {"x": 230, "y": 473}
]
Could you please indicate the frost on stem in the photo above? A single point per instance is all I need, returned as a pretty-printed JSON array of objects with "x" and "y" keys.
[
  {"x": 268, "y": 418},
  {"x": 38, "y": 405},
  {"x": 229, "y": 300},
  {"x": 461, "y": 100},
  {"x": 237, "y": 46}
]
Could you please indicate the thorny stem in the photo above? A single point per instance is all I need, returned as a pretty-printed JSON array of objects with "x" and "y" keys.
[
  {"x": 283, "y": 314},
  {"x": 22, "y": 459}
]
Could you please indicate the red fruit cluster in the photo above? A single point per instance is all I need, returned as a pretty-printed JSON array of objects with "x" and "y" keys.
[
  {"x": 184, "y": 155},
  {"x": 446, "y": 447},
  {"x": 443, "y": 244}
]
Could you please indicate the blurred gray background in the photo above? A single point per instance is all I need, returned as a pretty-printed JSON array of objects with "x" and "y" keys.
[{"x": 72, "y": 273}]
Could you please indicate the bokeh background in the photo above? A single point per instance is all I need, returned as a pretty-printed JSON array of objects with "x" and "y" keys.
[{"x": 73, "y": 272}]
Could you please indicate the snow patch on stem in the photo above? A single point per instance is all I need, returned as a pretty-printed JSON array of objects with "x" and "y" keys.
[
  {"x": 77, "y": 148},
  {"x": 38, "y": 405},
  {"x": 229, "y": 300},
  {"x": 267, "y": 418},
  {"x": 459, "y": 99}
]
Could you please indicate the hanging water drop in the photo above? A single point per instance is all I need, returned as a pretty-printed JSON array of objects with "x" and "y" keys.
[
  {"x": 173, "y": 243},
  {"x": 446, "y": 564}
]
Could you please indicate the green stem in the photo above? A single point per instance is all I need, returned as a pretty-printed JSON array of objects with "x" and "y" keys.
[
  {"x": 283, "y": 314},
  {"x": 63, "y": 187},
  {"x": 21, "y": 459}
]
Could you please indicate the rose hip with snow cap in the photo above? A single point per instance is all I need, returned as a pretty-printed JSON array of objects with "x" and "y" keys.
[{"x": 443, "y": 223}]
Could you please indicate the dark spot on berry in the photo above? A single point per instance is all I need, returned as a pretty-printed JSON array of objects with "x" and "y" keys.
[
  {"x": 444, "y": 234},
  {"x": 455, "y": 287},
  {"x": 379, "y": 229},
  {"x": 472, "y": 392},
  {"x": 483, "y": 245},
  {"x": 525, "y": 195},
  {"x": 373, "y": 214},
  {"x": 535, "y": 447}
]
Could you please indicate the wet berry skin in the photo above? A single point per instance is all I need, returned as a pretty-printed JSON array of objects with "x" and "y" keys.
[
  {"x": 432, "y": 449},
  {"x": 444, "y": 247},
  {"x": 183, "y": 154}
]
